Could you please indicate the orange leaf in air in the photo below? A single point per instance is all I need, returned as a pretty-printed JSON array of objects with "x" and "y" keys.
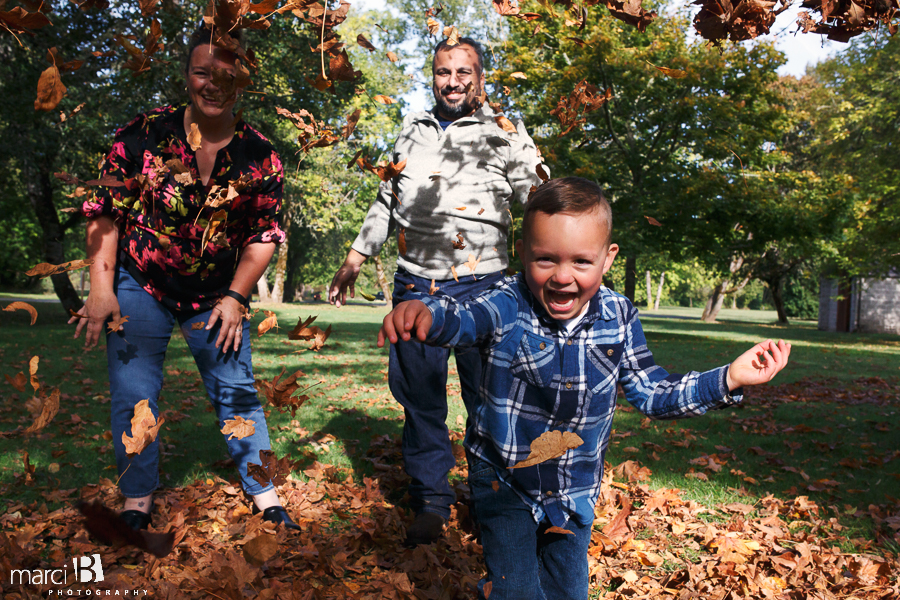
[
  {"x": 18, "y": 381},
  {"x": 653, "y": 221},
  {"x": 13, "y": 306},
  {"x": 279, "y": 392},
  {"x": 238, "y": 428},
  {"x": 46, "y": 269},
  {"x": 268, "y": 323},
  {"x": 392, "y": 57},
  {"x": 362, "y": 41},
  {"x": 673, "y": 73},
  {"x": 194, "y": 138},
  {"x": 433, "y": 288},
  {"x": 505, "y": 124},
  {"x": 50, "y": 90},
  {"x": 383, "y": 99},
  {"x": 144, "y": 429},
  {"x": 550, "y": 445},
  {"x": 48, "y": 410},
  {"x": 401, "y": 240},
  {"x": 116, "y": 324},
  {"x": 472, "y": 263},
  {"x": 433, "y": 26}
]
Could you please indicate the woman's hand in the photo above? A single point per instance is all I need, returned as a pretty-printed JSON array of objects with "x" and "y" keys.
[
  {"x": 97, "y": 310},
  {"x": 230, "y": 315},
  {"x": 758, "y": 365}
]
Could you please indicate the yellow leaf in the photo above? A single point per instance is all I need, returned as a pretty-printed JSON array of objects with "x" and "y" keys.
[
  {"x": 194, "y": 138},
  {"x": 550, "y": 445},
  {"x": 383, "y": 99},
  {"x": 238, "y": 428},
  {"x": 518, "y": 75}
]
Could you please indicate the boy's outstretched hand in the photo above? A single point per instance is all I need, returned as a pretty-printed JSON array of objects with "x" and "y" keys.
[
  {"x": 408, "y": 316},
  {"x": 758, "y": 365}
]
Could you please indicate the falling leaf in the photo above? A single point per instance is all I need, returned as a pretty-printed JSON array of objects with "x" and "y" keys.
[
  {"x": 32, "y": 370},
  {"x": 452, "y": 35},
  {"x": 459, "y": 242},
  {"x": 194, "y": 138},
  {"x": 109, "y": 528},
  {"x": 472, "y": 263},
  {"x": 184, "y": 178},
  {"x": 556, "y": 529},
  {"x": 279, "y": 392},
  {"x": 116, "y": 324},
  {"x": 653, "y": 221},
  {"x": 302, "y": 330},
  {"x": 433, "y": 26},
  {"x": 13, "y": 306},
  {"x": 505, "y": 124},
  {"x": 550, "y": 445},
  {"x": 48, "y": 410},
  {"x": 433, "y": 288},
  {"x": 260, "y": 549},
  {"x": 460, "y": 208},
  {"x": 271, "y": 469},
  {"x": 392, "y": 57},
  {"x": 238, "y": 428},
  {"x": 352, "y": 120},
  {"x": 50, "y": 90},
  {"x": 518, "y": 75},
  {"x": 268, "y": 323},
  {"x": 366, "y": 295},
  {"x": 197, "y": 325},
  {"x": 18, "y": 382},
  {"x": 148, "y": 7},
  {"x": 453, "y": 272},
  {"x": 383, "y": 99},
  {"x": 46, "y": 269},
  {"x": 585, "y": 98},
  {"x": 673, "y": 73},
  {"x": 319, "y": 341},
  {"x": 362, "y": 41},
  {"x": 63, "y": 117},
  {"x": 144, "y": 429},
  {"x": 401, "y": 240},
  {"x": 486, "y": 589},
  {"x": 539, "y": 169}
]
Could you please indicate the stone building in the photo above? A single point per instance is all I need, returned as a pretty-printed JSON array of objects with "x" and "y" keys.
[{"x": 863, "y": 304}]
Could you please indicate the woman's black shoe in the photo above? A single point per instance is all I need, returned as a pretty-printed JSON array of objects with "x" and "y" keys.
[
  {"x": 276, "y": 515},
  {"x": 136, "y": 519}
]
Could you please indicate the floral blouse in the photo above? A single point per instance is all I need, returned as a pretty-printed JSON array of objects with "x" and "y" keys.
[{"x": 179, "y": 239}]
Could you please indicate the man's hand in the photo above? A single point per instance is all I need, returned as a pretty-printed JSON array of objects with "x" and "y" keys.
[
  {"x": 230, "y": 313},
  {"x": 345, "y": 277},
  {"x": 408, "y": 316},
  {"x": 758, "y": 365},
  {"x": 97, "y": 310}
]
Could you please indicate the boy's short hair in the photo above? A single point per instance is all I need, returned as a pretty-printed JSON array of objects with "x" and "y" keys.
[
  {"x": 463, "y": 41},
  {"x": 573, "y": 195}
]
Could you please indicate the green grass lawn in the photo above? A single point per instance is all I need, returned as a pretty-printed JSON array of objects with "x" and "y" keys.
[{"x": 823, "y": 433}]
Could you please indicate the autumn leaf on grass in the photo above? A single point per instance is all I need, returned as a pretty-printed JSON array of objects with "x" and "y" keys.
[
  {"x": 194, "y": 138},
  {"x": 550, "y": 444},
  {"x": 260, "y": 549},
  {"x": 109, "y": 528},
  {"x": 13, "y": 306},
  {"x": 144, "y": 429},
  {"x": 238, "y": 428},
  {"x": 46, "y": 269},
  {"x": 268, "y": 323},
  {"x": 279, "y": 392},
  {"x": 48, "y": 410},
  {"x": 18, "y": 382},
  {"x": 116, "y": 324},
  {"x": 618, "y": 527},
  {"x": 732, "y": 549},
  {"x": 271, "y": 469}
]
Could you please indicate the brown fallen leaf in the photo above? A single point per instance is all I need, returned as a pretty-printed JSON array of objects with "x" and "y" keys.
[
  {"x": 401, "y": 240},
  {"x": 271, "y": 469},
  {"x": 268, "y": 323},
  {"x": 302, "y": 330},
  {"x": 279, "y": 392},
  {"x": 46, "y": 269},
  {"x": 653, "y": 221},
  {"x": 319, "y": 341},
  {"x": 13, "y": 306},
  {"x": 387, "y": 100},
  {"x": 108, "y": 527},
  {"x": 32, "y": 370},
  {"x": 556, "y": 529},
  {"x": 48, "y": 410},
  {"x": 550, "y": 445},
  {"x": 18, "y": 382},
  {"x": 261, "y": 549},
  {"x": 194, "y": 138},
  {"x": 116, "y": 324},
  {"x": 618, "y": 527},
  {"x": 505, "y": 124},
  {"x": 238, "y": 428},
  {"x": 50, "y": 90},
  {"x": 144, "y": 429}
]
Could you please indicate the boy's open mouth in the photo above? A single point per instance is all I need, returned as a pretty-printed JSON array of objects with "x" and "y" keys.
[{"x": 561, "y": 301}]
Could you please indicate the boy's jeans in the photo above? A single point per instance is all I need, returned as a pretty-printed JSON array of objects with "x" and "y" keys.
[
  {"x": 135, "y": 356},
  {"x": 523, "y": 561},
  {"x": 417, "y": 375}
]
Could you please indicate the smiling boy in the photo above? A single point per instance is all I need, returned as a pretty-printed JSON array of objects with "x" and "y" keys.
[{"x": 556, "y": 344}]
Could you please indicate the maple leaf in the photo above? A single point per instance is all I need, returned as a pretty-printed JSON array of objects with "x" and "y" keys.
[
  {"x": 108, "y": 527},
  {"x": 618, "y": 526},
  {"x": 732, "y": 549},
  {"x": 301, "y": 330},
  {"x": 339, "y": 68},
  {"x": 279, "y": 392},
  {"x": 140, "y": 60},
  {"x": 584, "y": 98},
  {"x": 18, "y": 381},
  {"x": 318, "y": 341},
  {"x": 271, "y": 469},
  {"x": 472, "y": 263},
  {"x": 238, "y": 428},
  {"x": 505, "y": 8},
  {"x": 20, "y": 20},
  {"x": 550, "y": 445},
  {"x": 46, "y": 269},
  {"x": 459, "y": 242},
  {"x": 144, "y": 429},
  {"x": 148, "y": 7},
  {"x": 260, "y": 549},
  {"x": 268, "y": 323},
  {"x": 14, "y": 306},
  {"x": 116, "y": 324},
  {"x": 194, "y": 138},
  {"x": 631, "y": 12}
]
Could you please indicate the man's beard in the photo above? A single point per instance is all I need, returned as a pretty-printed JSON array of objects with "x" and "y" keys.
[{"x": 455, "y": 111}]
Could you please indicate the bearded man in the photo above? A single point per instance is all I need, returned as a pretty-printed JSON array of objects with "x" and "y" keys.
[{"x": 450, "y": 209}]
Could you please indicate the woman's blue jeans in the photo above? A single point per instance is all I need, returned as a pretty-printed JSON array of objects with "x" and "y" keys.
[
  {"x": 524, "y": 562},
  {"x": 135, "y": 356}
]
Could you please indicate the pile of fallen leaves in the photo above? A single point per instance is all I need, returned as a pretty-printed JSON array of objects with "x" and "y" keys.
[{"x": 646, "y": 543}]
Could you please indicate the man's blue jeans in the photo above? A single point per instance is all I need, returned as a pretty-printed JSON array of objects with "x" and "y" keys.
[
  {"x": 135, "y": 356},
  {"x": 417, "y": 375},
  {"x": 524, "y": 562}
]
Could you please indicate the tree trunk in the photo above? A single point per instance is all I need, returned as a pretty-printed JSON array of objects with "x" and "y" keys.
[
  {"x": 382, "y": 280},
  {"x": 778, "y": 300},
  {"x": 630, "y": 276},
  {"x": 40, "y": 194},
  {"x": 279, "y": 291},
  {"x": 662, "y": 278},
  {"x": 734, "y": 302},
  {"x": 714, "y": 303},
  {"x": 649, "y": 279},
  {"x": 262, "y": 287}
]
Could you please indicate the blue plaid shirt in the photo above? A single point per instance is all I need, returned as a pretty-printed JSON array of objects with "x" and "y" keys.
[{"x": 537, "y": 377}]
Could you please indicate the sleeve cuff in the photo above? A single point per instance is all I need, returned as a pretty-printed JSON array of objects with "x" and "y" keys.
[
  {"x": 714, "y": 391},
  {"x": 437, "y": 314}
]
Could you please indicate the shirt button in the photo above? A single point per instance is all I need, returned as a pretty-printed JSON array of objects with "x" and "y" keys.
[
  {"x": 568, "y": 342},
  {"x": 568, "y": 385},
  {"x": 609, "y": 352},
  {"x": 543, "y": 345}
]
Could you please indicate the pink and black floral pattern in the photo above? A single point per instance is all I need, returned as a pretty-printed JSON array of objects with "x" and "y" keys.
[{"x": 162, "y": 218}]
